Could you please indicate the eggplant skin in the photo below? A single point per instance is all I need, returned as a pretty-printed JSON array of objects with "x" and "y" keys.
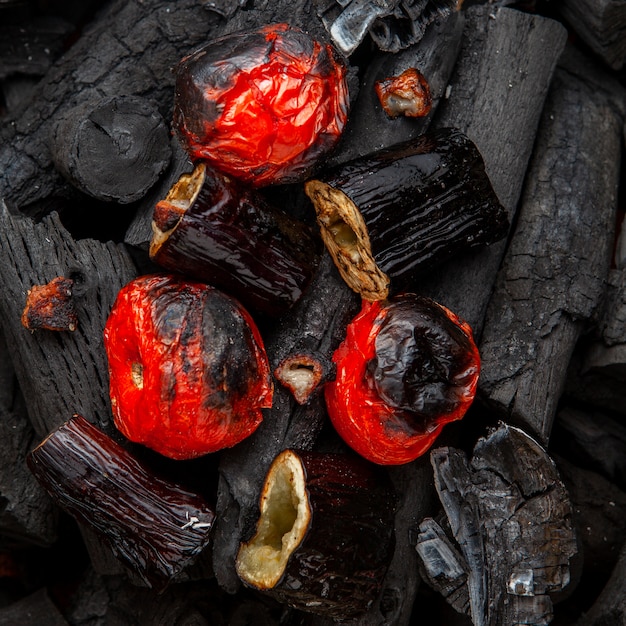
[{"x": 421, "y": 202}]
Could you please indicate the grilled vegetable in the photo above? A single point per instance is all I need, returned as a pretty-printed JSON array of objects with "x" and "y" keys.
[
  {"x": 324, "y": 538},
  {"x": 407, "y": 94},
  {"x": 407, "y": 367},
  {"x": 187, "y": 366},
  {"x": 154, "y": 526},
  {"x": 214, "y": 229},
  {"x": 392, "y": 215},
  {"x": 263, "y": 105},
  {"x": 50, "y": 306}
]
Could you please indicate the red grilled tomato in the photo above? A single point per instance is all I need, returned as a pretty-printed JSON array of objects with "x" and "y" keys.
[
  {"x": 188, "y": 370},
  {"x": 406, "y": 367},
  {"x": 261, "y": 105}
]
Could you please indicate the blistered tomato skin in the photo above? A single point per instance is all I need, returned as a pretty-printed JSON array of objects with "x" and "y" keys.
[
  {"x": 263, "y": 105},
  {"x": 187, "y": 366},
  {"x": 407, "y": 367}
]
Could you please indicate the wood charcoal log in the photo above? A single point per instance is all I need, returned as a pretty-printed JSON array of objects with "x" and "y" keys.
[
  {"x": 35, "y": 609},
  {"x": 126, "y": 50},
  {"x": 112, "y": 149},
  {"x": 27, "y": 517},
  {"x": 544, "y": 295},
  {"x": 60, "y": 373},
  {"x": 496, "y": 91},
  {"x": 511, "y": 517},
  {"x": 601, "y": 24},
  {"x": 155, "y": 527},
  {"x": 369, "y": 128}
]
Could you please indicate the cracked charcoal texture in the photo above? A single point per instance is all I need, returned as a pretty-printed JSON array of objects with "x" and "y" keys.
[{"x": 553, "y": 277}]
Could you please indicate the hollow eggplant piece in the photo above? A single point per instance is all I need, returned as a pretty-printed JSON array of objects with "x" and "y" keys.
[
  {"x": 215, "y": 229},
  {"x": 155, "y": 527},
  {"x": 324, "y": 538},
  {"x": 393, "y": 215}
]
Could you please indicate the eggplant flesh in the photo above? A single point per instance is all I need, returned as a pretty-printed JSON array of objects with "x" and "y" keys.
[
  {"x": 324, "y": 538},
  {"x": 391, "y": 216}
]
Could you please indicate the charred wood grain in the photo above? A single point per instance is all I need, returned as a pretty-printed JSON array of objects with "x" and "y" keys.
[
  {"x": 127, "y": 49},
  {"x": 35, "y": 609},
  {"x": 60, "y": 373},
  {"x": 601, "y": 24},
  {"x": 545, "y": 295},
  {"x": 112, "y": 149},
  {"x": 27, "y": 516},
  {"x": 369, "y": 128},
  {"x": 316, "y": 323},
  {"x": 511, "y": 516},
  {"x": 496, "y": 95}
]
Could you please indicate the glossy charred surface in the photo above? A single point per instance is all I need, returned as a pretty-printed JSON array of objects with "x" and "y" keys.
[
  {"x": 407, "y": 367},
  {"x": 262, "y": 105},
  {"x": 213, "y": 228},
  {"x": 50, "y": 306},
  {"x": 188, "y": 369},
  {"x": 403, "y": 210},
  {"x": 324, "y": 538},
  {"x": 407, "y": 94},
  {"x": 155, "y": 527}
]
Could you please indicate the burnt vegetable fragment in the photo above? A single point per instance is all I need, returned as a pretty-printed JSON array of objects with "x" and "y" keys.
[
  {"x": 215, "y": 229},
  {"x": 155, "y": 527},
  {"x": 391, "y": 216},
  {"x": 324, "y": 538}
]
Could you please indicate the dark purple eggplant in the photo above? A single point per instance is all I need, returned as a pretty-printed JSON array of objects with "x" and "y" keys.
[
  {"x": 324, "y": 538},
  {"x": 388, "y": 217},
  {"x": 217, "y": 230},
  {"x": 155, "y": 527}
]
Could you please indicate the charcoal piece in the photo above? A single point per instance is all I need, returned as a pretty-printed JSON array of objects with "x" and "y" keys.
[
  {"x": 544, "y": 296},
  {"x": 601, "y": 24},
  {"x": 127, "y": 49},
  {"x": 316, "y": 323},
  {"x": 112, "y": 149},
  {"x": 597, "y": 373},
  {"x": 496, "y": 91},
  {"x": 511, "y": 516},
  {"x": 27, "y": 516},
  {"x": 60, "y": 373},
  {"x": 35, "y": 609},
  {"x": 154, "y": 526}
]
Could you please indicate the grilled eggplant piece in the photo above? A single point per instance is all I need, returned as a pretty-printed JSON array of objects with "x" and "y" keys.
[
  {"x": 155, "y": 527},
  {"x": 215, "y": 229},
  {"x": 390, "y": 216},
  {"x": 324, "y": 538}
]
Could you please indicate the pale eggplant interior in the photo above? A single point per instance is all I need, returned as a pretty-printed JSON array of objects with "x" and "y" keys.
[
  {"x": 181, "y": 196},
  {"x": 345, "y": 235},
  {"x": 284, "y": 519}
]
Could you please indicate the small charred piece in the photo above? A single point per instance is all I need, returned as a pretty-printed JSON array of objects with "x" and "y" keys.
[
  {"x": 155, "y": 527},
  {"x": 407, "y": 94},
  {"x": 50, "y": 306},
  {"x": 393, "y": 215},
  {"x": 324, "y": 538},
  {"x": 212, "y": 228},
  {"x": 303, "y": 374}
]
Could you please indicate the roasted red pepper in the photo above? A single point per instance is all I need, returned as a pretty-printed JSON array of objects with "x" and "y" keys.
[
  {"x": 407, "y": 367},
  {"x": 261, "y": 105},
  {"x": 188, "y": 370}
]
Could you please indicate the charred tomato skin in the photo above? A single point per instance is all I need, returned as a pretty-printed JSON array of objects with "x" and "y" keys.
[
  {"x": 188, "y": 372},
  {"x": 406, "y": 368},
  {"x": 261, "y": 105}
]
